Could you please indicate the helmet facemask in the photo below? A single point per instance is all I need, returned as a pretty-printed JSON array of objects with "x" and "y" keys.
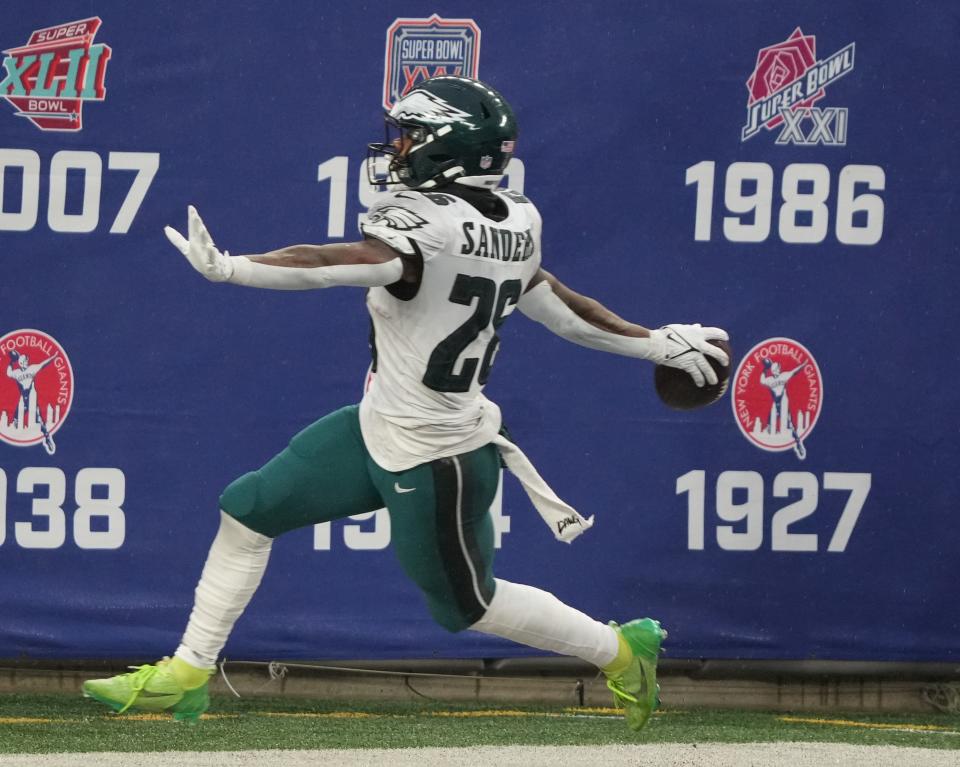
[{"x": 402, "y": 169}]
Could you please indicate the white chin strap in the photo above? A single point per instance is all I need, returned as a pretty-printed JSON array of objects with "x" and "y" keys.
[
  {"x": 481, "y": 182},
  {"x": 478, "y": 182}
]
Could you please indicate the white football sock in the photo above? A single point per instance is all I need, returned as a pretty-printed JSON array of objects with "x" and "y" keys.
[
  {"x": 234, "y": 568},
  {"x": 538, "y": 619}
]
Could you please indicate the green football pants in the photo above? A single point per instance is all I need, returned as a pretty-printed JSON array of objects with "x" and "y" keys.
[{"x": 439, "y": 511}]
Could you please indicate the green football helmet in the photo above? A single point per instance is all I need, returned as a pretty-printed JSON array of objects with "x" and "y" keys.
[{"x": 460, "y": 129}]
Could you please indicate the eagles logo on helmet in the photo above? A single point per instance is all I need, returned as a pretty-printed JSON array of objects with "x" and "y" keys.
[{"x": 461, "y": 130}]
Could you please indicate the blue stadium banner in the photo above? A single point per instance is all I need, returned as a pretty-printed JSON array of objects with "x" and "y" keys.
[{"x": 787, "y": 171}]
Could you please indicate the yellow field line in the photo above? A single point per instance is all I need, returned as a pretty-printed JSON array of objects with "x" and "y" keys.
[
  {"x": 319, "y": 715},
  {"x": 492, "y": 713},
  {"x": 609, "y": 711},
  {"x": 30, "y": 720},
  {"x": 905, "y": 727}
]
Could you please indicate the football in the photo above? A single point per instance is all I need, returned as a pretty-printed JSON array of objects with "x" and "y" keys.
[{"x": 677, "y": 390}]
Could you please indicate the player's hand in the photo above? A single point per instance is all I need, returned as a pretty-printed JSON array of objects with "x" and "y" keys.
[
  {"x": 200, "y": 250},
  {"x": 687, "y": 347}
]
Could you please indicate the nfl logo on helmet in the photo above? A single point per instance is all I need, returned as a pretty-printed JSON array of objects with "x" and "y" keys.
[{"x": 418, "y": 49}]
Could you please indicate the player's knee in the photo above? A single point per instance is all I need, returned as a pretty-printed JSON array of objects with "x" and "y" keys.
[
  {"x": 243, "y": 500},
  {"x": 239, "y": 499}
]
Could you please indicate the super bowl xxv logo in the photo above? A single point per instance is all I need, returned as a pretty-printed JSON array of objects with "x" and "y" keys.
[
  {"x": 787, "y": 81},
  {"x": 418, "y": 49},
  {"x": 777, "y": 395},
  {"x": 37, "y": 390},
  {"x": 48, "y": 79}
]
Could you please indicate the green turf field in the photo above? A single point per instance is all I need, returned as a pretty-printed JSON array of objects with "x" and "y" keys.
[{"x": 59, "y": 723}]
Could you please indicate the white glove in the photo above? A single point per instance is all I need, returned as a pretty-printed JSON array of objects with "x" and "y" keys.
[
  {"x": 684, "y": 347},
  {"x": 200, "y": 250}
]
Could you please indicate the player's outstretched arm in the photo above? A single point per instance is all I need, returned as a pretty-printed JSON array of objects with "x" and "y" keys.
[
  {"x": 41, "y": 365},
  {"x": 589, "y": 323},
  {"x": 792, "y": 373},
  {"x": 299, "y": 267}
]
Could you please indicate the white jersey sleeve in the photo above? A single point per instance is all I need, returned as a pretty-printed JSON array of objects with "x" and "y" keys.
[{"x": 409, "y": 223}]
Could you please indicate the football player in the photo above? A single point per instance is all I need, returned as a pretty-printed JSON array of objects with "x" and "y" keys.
[
  {"x": 24, "y": 376},
  {"x": 446, "y": 258}
]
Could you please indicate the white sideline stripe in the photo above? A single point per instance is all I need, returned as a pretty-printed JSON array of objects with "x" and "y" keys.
[
  {"x": 660, "y": 754},
  {"x": 463, "y": 542}
]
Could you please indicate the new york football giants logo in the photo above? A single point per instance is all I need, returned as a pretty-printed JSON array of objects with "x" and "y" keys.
[
  {"x": 48, "y": 79},
  {"x": 418, "y": 49},
  {"x": 36, "y": 388},
  {"x": 777, "y": 395}
]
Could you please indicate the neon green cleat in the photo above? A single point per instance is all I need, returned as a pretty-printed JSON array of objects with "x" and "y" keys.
[
  {"x": 635, "y": 688},
  {"x": 150, "y": 688}
]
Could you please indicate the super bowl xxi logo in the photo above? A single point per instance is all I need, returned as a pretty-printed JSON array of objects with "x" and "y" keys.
[
  {"x": 48, "y": 79},
  {"x": 37, "y": 390},
  {"x": 777, "y": 395},
  {"x": 418, "y": 49},
  {"x": 787, "y": 81}
]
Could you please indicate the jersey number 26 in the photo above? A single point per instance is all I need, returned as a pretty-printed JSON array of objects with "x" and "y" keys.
[{"x": 491, "y": 305}]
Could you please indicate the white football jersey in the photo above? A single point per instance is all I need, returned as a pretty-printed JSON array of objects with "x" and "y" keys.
[{"x": 434, "y": 345}]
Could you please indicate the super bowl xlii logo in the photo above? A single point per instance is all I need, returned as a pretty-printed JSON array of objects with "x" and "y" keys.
[
  {"x": 777, "y": 395},
  {"x": 36, "y": 389},
  {"x": 418, "y": 49},
  {"x": 48, "y": 79},
  {"x": 787, "y": 80}
]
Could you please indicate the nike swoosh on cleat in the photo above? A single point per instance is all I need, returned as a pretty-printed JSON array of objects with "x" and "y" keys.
[{"x": 398, "y": 489}]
